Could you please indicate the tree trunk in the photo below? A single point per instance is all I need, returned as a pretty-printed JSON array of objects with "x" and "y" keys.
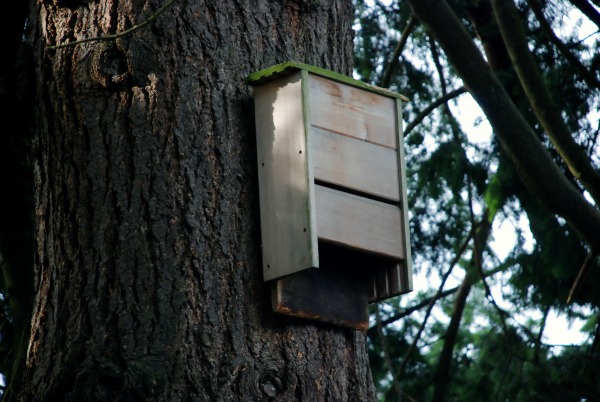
[{"x": 148, "y": 263}]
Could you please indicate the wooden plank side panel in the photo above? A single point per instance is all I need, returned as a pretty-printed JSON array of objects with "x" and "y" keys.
[
  {"x": 288, "y": 238},
  {"x": 354, "y": 164},
  {"x": 352, "y": 111},
  {"x": 359, "y": 223},
  {"x": 404, "y": 199}
]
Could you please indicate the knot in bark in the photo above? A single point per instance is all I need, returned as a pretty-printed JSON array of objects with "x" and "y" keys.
[{"x": 108, "y": 65}]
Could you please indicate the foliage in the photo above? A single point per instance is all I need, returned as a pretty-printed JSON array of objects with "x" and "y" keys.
[{"x": 458, "y": 181}]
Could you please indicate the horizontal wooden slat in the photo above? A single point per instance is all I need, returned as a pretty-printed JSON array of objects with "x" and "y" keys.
[
  {"x": 359, "y": 222},
  {"x": 354, "y": 164},
  {"x": 352, "y": 111}
]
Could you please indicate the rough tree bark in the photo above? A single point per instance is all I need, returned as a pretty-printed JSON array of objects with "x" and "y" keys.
[{"x": 148, "y": 244}]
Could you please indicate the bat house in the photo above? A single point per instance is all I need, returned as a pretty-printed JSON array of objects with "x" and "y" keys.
[{"x": 331, "y": 171}]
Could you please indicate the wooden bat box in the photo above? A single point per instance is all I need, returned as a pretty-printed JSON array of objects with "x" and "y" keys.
[{"x": 332, "y": 180}]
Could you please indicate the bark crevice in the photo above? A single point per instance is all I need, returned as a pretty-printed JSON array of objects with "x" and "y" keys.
[{"x": 151, "y": 283}]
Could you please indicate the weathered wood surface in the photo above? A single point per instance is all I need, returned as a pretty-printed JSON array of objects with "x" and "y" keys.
[
  {"x": 362, "y": 158},
  {"x": 359, "y": 222},
  {"x": 340, "y": 290},
  {"x": 288, "y": 236},
  {"x": 407, "y": 269},
  {"x": 279, "y": 70},
  {"x": 354, "y": 164},
  {"x": 352, "y": 111},
  {"x": 389, "y": 278},
  {"x": 336, "y": 296}
]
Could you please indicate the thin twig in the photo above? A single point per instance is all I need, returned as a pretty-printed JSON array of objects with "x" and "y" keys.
[
  {"x": 424, "y": 303},
  {"x": 587, "y": 76},
  {"x": 476, "y": 254},
  {"x": 425, "y": 112},
  {"x": 582, "y": 271},
  {"x": 418, "y": 306},
  {"x": 433, "y": 300},
  {"x": 538, "y": 343},
  {"x": 118, "y": 34},
  {"x": 393, "y": 63},
  {"x": 439, "y": 68},
  {"x": 571, "y": 46}
]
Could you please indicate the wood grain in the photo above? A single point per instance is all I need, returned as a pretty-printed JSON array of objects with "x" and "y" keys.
[
  {"x": 288, "y": 235},
  {"x": 359, "y": 222},
  {"x": 352, "y": 111},
  {"x": 354, "y": 164},
  {"x": 407, "y": 268}
]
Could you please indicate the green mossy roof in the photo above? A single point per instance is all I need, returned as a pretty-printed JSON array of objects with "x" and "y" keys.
[{"x": 279, "y": 70}]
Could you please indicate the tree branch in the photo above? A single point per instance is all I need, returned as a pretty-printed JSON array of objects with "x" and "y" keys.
[
  {"x": 455, "y": 261},
  {"x": 438, "y": 102},
  {"x": 454, "y": 124},
  {"x": 423, "y": 303},
  {"x": 438, "y": 67},
  {"x": 393, "y": 63},
  {"x": 588, "y": 77},
  {"x": 118, "y": 34},
  {"x": 547, "y": 112},
  {"x": 534, "y": 165},
  {"x": 584, "y": 267},
  {"x": 442, "y": 373},
  {"x": 478, "y": 254},
  {"x": 540, "y": 334}
]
